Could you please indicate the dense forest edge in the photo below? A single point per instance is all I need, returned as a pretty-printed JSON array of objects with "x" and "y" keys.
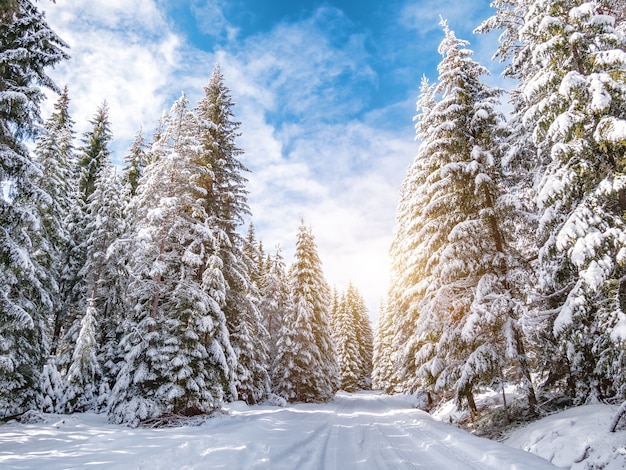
[{"x": 140, "y": 292}]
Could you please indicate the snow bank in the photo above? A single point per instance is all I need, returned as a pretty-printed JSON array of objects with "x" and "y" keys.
[{"x": 577, "y": 439}]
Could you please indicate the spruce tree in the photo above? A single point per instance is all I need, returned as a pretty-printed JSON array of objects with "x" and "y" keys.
[
  {"x": 576, "y": 111},
  {"x": 568, "y": 58},
  {"x": 82, "y": 381},
  {"x": 364, "y": 336},
  {"x": 27, "y": 47},
  {"x": 136, "y": 162},
  {"x": 275, "y": 300},
  {"x": 346, "y": 345},
  {"x": 177, "y": 353},
  {"x": 55, "y": 154},
  {"x": 468, "y": 308},
  {"x": 225, "y": 199},
  {"x": 383, "y": 374},
  {"x": 306, "y": 364},
  {"x": 94, "y": 153}
]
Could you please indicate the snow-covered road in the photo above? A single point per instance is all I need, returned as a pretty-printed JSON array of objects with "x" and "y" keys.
[{"x": 363, "y": 430}]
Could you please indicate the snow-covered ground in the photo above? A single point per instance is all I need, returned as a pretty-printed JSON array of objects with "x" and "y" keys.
[
  {"x": 363, "y": 430},
  {"x": 577, "y": 438}
]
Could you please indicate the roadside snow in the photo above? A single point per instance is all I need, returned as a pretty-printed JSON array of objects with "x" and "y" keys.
[
  {"x": 363, "y": 430},
  {"x": 577, "y": 439}
]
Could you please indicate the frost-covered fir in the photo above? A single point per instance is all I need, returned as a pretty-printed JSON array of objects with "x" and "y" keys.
[
  {"x": 81, "y": 385},
  {"x": 275, "y": 299},
  {"x": 136, "y": 162},
  {"x": 225, "y": 197},
  {"x": 177, "y": 353},
  {"x": 104, "y": 276},
  {"x": 455, "y": 287},
  {"x": 27, "y": 47},
  {"x": 306, "y": 368},
  {"x": 384, "y": 375},
  {"x": 570, "y": 61},
  {"x": 54, "y": 151},
  {"x": 94, "y": 153},
  {"x": 353, "y": 338}
]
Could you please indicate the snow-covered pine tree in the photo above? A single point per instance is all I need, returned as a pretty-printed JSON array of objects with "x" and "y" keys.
[
  {"x": 52, "y": 388},
  {"x": 255, "y": 253},
  {"x": 94, "y": 153},
  {"x": 82, "y": 381},
  {"x": 363, "y": 334},
  {"x": 136, "y": 162},
  {"x": 525, "y": 167},
  {"x": 346, "y": 345},
  {"x": 225, "y": 198},
  {"x": 27, "y": 47},
  {"x": 92, "y": 156},
  {"x": 306, "y": 364},
  {"x": 55, "y": 154},
  {"x": 384, "y": 373},
  {"x": 105, "y": 273},
  {"x": 178, "y": 357},
  {"x": 575, "y": 109},
  {"x": 410, "y": 269},
  {"x": 467, "y": 331},
  {"x": 275, "y": 299}
]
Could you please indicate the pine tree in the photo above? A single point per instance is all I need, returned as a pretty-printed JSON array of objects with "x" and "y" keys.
[
  {"x": 105, "y": 272},
  {"x": 83, "y": 377},
  {"x": 364, "y": 336},
  {"x": 92, "y": 156},
  {"x": 226, "y": 200},
  {"x": 54, "y": 152},
  {"x": 178, "y": 357},
  {"x": 52, "y": 387},
  {"x": 27, "y": 47},
  {"x": 275, "y": 300},
  {"x": 344, "y": 337},
  {"x": 383, "y": 373},
  {"x": 575, "y": 111},
  {"x": 94, "y": 153},
  {"x": 467, "y": 329},
  {"x": 136, "y": 162},
  {"x": 306, "y": 365}
]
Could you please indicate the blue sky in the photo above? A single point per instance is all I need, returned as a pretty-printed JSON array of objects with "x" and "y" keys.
[{"x": 325, "y": 92}]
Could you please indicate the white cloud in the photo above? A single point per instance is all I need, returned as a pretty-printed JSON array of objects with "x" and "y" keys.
[{"x": 122, "y": 52}]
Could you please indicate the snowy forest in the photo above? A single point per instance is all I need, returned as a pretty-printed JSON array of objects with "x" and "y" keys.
[
  {"x": 134, "y": 292},
  {"x": 142, "y": 292}
]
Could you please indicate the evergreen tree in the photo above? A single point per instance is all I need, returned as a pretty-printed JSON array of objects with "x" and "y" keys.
[
  {"x": 83, "y": 377},
  {"x": 105, "y": 273},
  {"x": 275, "y": 300},
  {"x": 136, "y": 162},
  {"x": 467, "y": 329},
  {"x": 178, "y": 357},
  {"x": 306, "y": 365},
  {"x": 92, "y": 156},
  {"x": 411, "y": 245},
  {"x": 54, "y": 152},
  {"x": 27, "y": 47},
  {"x": 52, "y": 387},
  {"x": 576, "y": 111},
  {"x": 94, "y": 153},
  {"x": 226, "y": 200},
  {"x": 353, "y": 339},
  {"x": 364, "y": 336},
  {"x": 344, "y": 337},
  {"x": 383, "y": 373}
]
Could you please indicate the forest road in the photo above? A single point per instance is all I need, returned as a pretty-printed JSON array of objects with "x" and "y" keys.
[
  {"x": 367, "y": 430},
  {"x": 364, "y": 430}
]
